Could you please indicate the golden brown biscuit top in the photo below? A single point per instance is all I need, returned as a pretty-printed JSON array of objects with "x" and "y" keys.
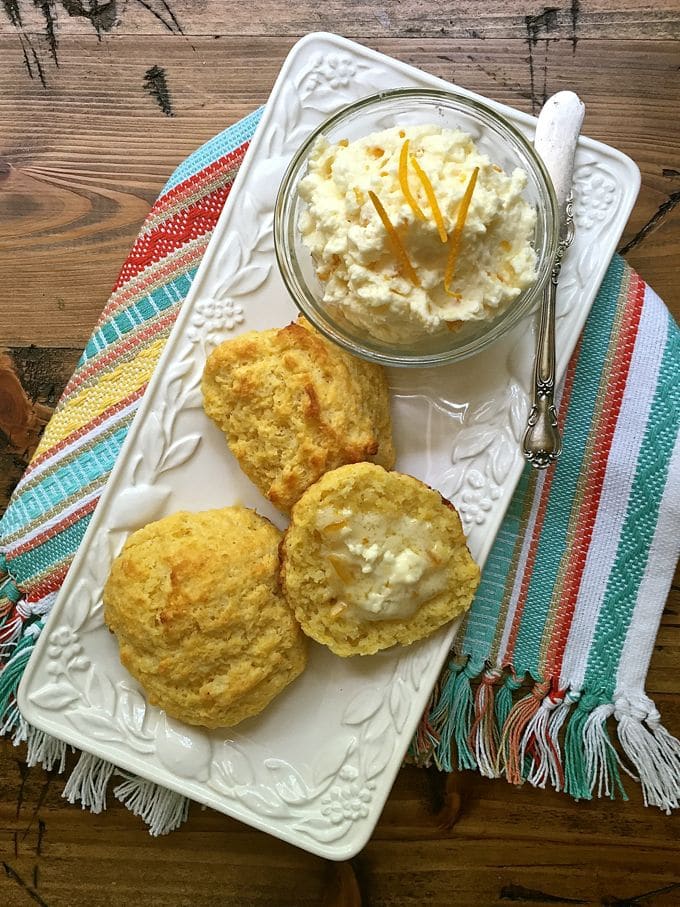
[
  {"x": 195, "y": 602},
  {"x": 293, "y": 405}
]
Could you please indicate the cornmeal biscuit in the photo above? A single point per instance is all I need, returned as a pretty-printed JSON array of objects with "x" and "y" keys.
[
  {"x": 293, "y": 405},
  {"x": 201, "y": 622},
  {"x": 372, "y": 558}
]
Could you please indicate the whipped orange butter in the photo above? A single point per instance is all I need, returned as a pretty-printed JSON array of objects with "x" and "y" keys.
[
  {"x": 381, "y": 571},
  {"x": 413, "y": 230}
]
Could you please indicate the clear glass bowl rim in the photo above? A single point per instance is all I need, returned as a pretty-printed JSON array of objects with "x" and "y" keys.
[{"x": 306, "y": 301}]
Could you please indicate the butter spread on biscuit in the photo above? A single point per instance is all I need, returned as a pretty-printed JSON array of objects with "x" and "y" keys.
[
  {"x": 379, "y": 570},
  {"x": 354, "y": 242}
]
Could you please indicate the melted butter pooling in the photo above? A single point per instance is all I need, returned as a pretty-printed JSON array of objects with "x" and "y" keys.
[{"x": 381, "y": 571}]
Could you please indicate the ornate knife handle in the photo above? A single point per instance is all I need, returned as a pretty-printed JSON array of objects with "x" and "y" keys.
[{"x": 542, "y": 443}]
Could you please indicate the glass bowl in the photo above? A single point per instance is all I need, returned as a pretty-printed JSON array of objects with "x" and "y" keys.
[{"x": 494, "y": 136}]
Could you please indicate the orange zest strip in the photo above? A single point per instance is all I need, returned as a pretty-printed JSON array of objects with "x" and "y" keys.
[
  {"x": 432, "y": 199},
  {"x": 397, "y": 245},
  {"x": 403, "y": 179},
  {"x": 457, "y": 234}
]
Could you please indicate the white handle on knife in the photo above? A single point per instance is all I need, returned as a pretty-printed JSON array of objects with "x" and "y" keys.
[{"x": 557, "y": 131}]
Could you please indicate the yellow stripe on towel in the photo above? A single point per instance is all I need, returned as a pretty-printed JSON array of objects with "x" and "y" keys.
[{"x": 112, "y": 387}]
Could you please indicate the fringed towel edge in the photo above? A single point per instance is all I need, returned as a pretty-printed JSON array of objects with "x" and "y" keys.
[
  {"x": 493, "y": 729},
  {"x": 20, "y": 626},
  {"x": 547, "y": 735}
]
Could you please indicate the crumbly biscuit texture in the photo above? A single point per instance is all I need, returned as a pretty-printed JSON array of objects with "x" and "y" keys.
[
  {"x": 293, "y": 405},
  {"x": 375, "y": 558},
  {"x": 195, "y": 603}
]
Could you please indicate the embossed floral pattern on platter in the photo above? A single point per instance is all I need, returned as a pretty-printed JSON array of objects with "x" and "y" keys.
[{"x": 326, "y": 796}]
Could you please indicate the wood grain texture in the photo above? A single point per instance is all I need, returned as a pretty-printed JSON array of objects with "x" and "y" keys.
[
  {"x": 85, "y": 147},
  {"x": 354, "y": 18},
  {"x": 505, "y": 841},
  {"x": 31, "y": 382},
  {"x": 80, "y": 172}
]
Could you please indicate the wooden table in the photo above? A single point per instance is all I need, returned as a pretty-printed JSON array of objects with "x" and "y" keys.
[{"x": 100, "y": 99}]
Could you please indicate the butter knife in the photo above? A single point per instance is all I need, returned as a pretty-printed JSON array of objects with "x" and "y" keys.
[{"x": 557, "y": 132}]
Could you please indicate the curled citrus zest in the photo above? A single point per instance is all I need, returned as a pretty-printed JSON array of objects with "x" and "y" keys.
[
  {"x": 403, "y": 179},
  {"x": 454, "y": 243},
  {"x": 395, "y": 241},
  {"x": 432, "y": 199}
]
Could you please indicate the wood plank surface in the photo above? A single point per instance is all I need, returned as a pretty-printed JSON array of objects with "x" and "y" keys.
[
  {"x": 80, "y": 172},
  {"x": 353, "y": 18},
  {"x": 85, "y": 147}
]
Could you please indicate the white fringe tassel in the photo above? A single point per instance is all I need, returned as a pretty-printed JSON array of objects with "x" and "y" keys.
[
  {"x": 42, "y": 749},
  {"x": 546, "y": 766},
  {"x": 557, "y": 719},
  {"x": 16, "y": 725},
  {"x": 597, "y": 748},
  {"x": 11, "y": 633},
  {"x": 654, "y": 753},
  {"x": 163, "y": 810},
  {"x": 668, "y": 744},
  {"x": 88, "y": 782}
]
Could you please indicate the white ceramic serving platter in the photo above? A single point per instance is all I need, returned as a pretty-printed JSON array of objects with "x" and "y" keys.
[{"x": 317, "y": 766}]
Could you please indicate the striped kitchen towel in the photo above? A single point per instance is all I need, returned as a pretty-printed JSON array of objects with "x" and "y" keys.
[
  {"x": 572, "y": 592},
  {"x": 573, "y": 589}
]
